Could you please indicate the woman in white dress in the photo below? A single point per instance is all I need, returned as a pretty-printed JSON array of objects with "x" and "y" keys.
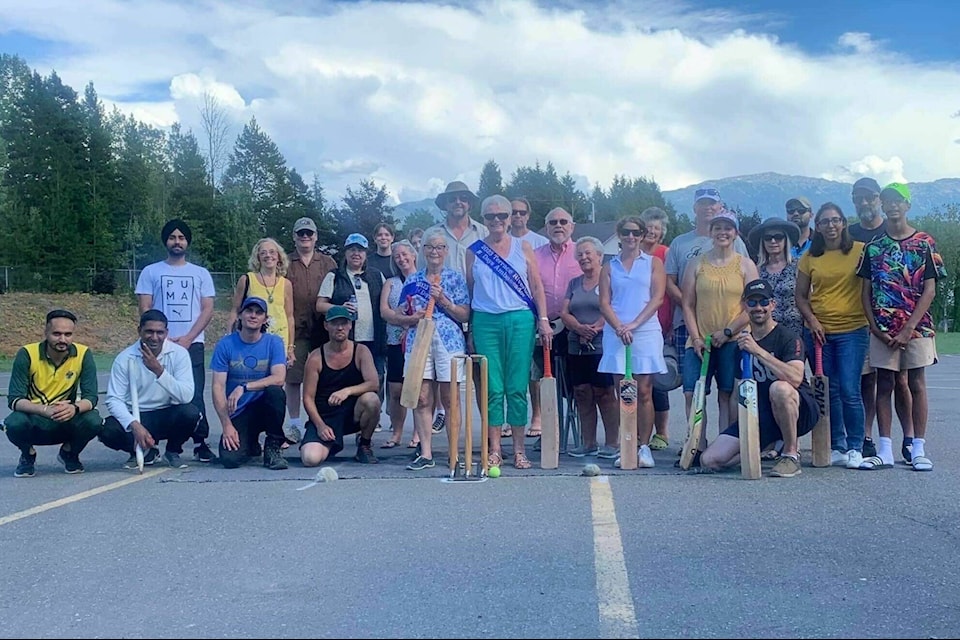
[{"x": 632, "y": 287}]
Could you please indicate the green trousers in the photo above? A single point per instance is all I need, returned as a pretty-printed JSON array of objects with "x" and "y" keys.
[
  {"x": 28, "y": 429},
  {"x": 507, "y": 340}
]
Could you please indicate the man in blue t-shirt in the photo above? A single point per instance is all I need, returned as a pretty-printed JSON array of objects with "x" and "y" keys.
[{"x": 249, "y": 369}]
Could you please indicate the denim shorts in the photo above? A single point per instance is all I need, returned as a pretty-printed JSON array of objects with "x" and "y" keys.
[{"x": 724, "y": 367}]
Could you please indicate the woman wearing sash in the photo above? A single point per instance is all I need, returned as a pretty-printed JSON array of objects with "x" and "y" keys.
[
  {"x": 505, "y": 288},
  {"x": 632, "y": 287}
]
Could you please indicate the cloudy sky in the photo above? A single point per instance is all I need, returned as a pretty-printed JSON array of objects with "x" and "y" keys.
[{"x": 415, "y": 94}]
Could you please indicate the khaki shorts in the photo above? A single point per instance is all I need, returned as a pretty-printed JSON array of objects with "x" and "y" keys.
[
  {"x": 301, "y": 349},
  {"x": 867, "y": 367},
  {"x": 919, "y": 353}
]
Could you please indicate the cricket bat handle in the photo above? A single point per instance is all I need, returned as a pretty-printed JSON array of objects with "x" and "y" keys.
[
  {"x": 547, "y": 365},
  {"x": 817, "y": 357}
]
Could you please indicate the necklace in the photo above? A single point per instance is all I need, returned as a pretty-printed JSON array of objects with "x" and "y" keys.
[{"x": 270, "y": 290}]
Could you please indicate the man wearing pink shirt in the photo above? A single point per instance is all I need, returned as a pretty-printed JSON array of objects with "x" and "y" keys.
[{"x": 558, "y": 265}]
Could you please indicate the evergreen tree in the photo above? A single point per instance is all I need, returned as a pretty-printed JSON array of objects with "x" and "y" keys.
[
  {"x": 491, "y": 182},
  {"x": 364, "y": 209}
]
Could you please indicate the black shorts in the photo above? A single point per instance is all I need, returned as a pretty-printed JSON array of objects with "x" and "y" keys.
[
  {"x": 769, "y": 431},
  {"x": 661, "y": 400},
  {"x": 582, "y": 369},
  {"x": 395, "y": 363},
  {"x": 340, "y": 420}
]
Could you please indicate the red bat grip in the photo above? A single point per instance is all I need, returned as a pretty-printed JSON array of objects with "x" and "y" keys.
[
  {"x": 817, "y": 358},
  {"x": 547, "y": 366}
]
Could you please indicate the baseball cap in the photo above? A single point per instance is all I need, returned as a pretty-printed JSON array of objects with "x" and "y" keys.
[
  {"x": 254, "y": 301},
  {"x": 866, "y": 184},
  {"x": 356, "y": 238},
  {"x": 338, "y": 311},
  {"x": 707, "y": 192},
  {"x": 758, "y": 288},
  {"x": 305, "y": 223},
  {"x": 727, "y": 215},
  {"x": 798, "y": 203},
  {"x": 898, "y": 187}
]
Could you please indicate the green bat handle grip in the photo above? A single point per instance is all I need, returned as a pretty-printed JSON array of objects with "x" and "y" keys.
[{"x": 628, "y": 371}]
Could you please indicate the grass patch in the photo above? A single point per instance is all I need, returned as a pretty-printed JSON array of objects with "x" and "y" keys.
[{"x": 948, "y": 344}]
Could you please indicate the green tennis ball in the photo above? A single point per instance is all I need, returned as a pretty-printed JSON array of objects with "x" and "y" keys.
[{"x": 494, "y": 472}]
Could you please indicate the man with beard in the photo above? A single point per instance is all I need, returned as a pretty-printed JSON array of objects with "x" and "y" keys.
[
  {"x": 799, "y": 212},
  {"x": 163, "y": 379},
  {"x": 459, "y": 229},
  {"x": 184, "y": 292},
  {"x": 872, "y": 225}
]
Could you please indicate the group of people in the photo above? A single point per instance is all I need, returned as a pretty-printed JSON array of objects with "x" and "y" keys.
[{"x": 334, "y": 339}]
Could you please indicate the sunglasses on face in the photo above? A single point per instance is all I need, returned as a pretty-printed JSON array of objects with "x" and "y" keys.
[
  {"x": 452, "y": 199},
  {"x": 800, "y": 210},
  {"x": 758, "y": 302},
  {"x": 864, "y": 197},
  {"x": 562, "y": 222},
  {"x": 519, "y": 212},
  {"x": 495, "y": 216},
  {"x": 304, "y": 233},
  {"x": 636, "y": 233},
  {"x": 774, "y": 237}
]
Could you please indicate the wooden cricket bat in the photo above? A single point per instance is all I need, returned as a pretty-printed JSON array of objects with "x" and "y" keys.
[
  {"x": 749, "y": 418},
  {"x": 820, "y": 438},
  {"x": 549, "y": 418},
  {"x": 413, "y": 377},
  {"x": 692, "y": 446},
  {"x": 628, "y": 415},
  {"x": 135, "y": 407}
]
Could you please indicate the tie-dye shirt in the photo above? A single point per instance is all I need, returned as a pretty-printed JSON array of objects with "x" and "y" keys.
[{"x": 897, "y": 270}]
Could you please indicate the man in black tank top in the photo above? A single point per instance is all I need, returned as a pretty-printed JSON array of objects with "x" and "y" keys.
[{"x": 339, "y": 394}]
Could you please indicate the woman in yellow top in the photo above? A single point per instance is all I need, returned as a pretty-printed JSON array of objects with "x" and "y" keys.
[
  {"x": 268, "y": 265},
  {"x": 712, "y": 287},
  {"x": 828, "y": 296}
]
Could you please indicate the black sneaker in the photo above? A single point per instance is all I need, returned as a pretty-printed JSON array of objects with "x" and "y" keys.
[
  {"x": 26, "y": 468},
  {"x": 439, "y": 422},
  {"x": 71, "y": 461},
  {"x": 273, "y": 458},
  {"x": 149, "y": 458},
  {"x": 202, "y": 453},
  {"x": 421, "y": 463},
  {"x": 869, "y": 448},
  {"x": 365, "y": 455},
  {"x": 174, "y": 460}
]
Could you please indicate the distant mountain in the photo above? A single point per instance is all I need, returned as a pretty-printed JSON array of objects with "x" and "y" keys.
[
  {"x": 768, "y": 192},
  {"x": 404, "y": 209}
]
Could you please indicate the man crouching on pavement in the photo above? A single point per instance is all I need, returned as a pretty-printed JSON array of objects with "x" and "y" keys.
[
  {"x": 249, "y": 369},
  {"x": 785, "y": 402},
  {"x": 339, "y": 394}
]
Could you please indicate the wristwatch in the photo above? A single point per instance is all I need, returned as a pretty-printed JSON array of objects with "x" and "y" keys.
[
  {"x": 727, "y": 332},
  {"x": 244, "y": 387}
]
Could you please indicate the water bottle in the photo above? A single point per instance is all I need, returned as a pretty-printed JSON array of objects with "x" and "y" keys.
[{"x": 353, "y": 299}]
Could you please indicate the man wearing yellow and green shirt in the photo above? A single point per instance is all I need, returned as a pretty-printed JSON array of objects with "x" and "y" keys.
[{"x": 53, "y": 397}]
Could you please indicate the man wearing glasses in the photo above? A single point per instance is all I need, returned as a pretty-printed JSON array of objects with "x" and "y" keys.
[
  {"x": 459, "y": 229},
  {"x": 799, "y": 213},
  {"x": 519, "y": 218},
  {"x": 785, "y": 402},
  {"x": 307, "y": 269}
]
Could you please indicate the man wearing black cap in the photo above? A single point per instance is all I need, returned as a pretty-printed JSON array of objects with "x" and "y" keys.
[
  {"x": 787, "y": 408},
  {"x": 184, "y": 292},
  {"x": 249, "y": 369},
  {"x": 799, "y": 212}
]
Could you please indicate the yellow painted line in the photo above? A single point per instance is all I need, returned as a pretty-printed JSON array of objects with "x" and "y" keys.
[
  {"x": 32, "y": 511},
  {"x": 615, "y": 602}
]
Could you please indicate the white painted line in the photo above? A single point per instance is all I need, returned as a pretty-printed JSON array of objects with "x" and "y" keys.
[
  {"x": 614, "y": 599},
  {"x": 947, "y": 388},
  {"x": 32, "y": 511}
]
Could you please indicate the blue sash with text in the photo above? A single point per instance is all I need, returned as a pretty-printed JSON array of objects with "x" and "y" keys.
[{"x": 505, "y": 272}]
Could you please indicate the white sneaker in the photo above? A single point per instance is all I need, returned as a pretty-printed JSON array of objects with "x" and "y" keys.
[
  {"x": 616, "y": 463},
  {"x": 645, "y": 458},
  {"x": 838, "y": 458},
  {"x": 854, "y": 459}
]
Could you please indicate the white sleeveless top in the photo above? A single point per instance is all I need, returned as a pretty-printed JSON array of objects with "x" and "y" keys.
[{"x": 490, "y": 293}]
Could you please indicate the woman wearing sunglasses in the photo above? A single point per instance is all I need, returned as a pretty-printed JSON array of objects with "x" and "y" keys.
[
  {"x": 828, "y": 296},
  {"x": 774, "y": 240},
  {"x": 632, "y": 286}
]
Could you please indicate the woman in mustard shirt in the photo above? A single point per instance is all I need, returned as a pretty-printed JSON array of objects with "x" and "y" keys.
[{"x": 828, "y": 296}]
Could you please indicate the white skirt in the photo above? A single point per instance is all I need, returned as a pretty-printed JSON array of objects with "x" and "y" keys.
[{"x": 646, "y": 352}]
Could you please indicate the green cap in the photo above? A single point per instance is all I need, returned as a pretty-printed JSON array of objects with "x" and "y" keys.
[{"x": 900, "y": 188}]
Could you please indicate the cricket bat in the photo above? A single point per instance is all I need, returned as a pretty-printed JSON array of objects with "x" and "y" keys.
[
  {"x": 550, "y": 436},
  {"x": 820, "y": 438},
  {"x": 692, "y": 446},
  {"x": 749, "y": 418},
  {"x": 628, "y": 415},
  {"x": 413, "y": 378},
  {"x": 135, "y": 407}
]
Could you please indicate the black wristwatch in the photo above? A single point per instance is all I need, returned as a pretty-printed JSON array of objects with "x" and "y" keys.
[{"x": 727, "y": 332}]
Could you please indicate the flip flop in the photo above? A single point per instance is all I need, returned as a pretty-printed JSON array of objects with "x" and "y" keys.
[
  {"x": 389, "y": 444},
  {"x": 922, "y": 463},
  {"x": 534, "y": 434},
  {"x": 873, "y": 463},
  {"x": 412, "y": 445},
  {"x": 506, "y": 432}
]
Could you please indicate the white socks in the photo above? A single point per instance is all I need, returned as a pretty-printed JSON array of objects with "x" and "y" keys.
[
  {"x": 885, "y": 450},
  {"x": 917, "y": 448}
]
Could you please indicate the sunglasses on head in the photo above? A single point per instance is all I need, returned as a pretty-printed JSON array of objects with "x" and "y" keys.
[
  {"x": 758, "y": 302},
  {"x": 774, "y": 237},
  {"x": 496, "y": 216},
  {"x": 706, "y": 193},
  {"x": 636, "y": 233},
  {"x": 305, "y": 233}
]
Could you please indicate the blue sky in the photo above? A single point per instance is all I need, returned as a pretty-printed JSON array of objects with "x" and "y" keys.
[{"x": 416, "y": 94}]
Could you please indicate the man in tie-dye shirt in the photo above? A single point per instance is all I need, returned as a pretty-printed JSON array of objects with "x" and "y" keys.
[{"x": 900, "y": 270}]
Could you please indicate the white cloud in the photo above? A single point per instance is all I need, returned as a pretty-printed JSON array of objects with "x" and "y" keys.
[
  {"x": 884, "y": 171},
  {"x": 414, "y": 94}
]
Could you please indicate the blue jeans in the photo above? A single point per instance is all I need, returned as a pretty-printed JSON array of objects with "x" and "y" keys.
[{"x": 843, "y": 355}]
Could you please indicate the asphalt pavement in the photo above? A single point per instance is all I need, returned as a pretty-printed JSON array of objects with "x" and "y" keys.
[{"x": 386, "y": 552}]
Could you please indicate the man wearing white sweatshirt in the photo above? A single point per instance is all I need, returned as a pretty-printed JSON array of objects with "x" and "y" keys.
[{"x": 163, "y": 378}]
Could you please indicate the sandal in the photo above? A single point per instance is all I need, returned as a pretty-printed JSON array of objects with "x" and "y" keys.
[
  {"x": 494, "y": 460},
  {"x": 413, "y": 445},
  {"x": 389, "y": 444},
  {"x": 534, "y": 434},
  {"x": 658, "y": 442},
  {"x": 520, "y": 461}
]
